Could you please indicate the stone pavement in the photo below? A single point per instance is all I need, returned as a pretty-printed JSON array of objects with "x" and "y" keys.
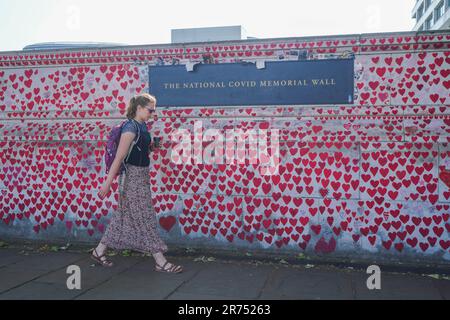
[{"x": 42, "y": 274}]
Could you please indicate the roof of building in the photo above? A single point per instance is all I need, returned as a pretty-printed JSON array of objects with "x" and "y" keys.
[{"x": 69, "y": 45}]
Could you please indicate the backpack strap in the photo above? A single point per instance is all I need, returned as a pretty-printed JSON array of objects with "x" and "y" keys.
[{"x": 139, "y": 133}]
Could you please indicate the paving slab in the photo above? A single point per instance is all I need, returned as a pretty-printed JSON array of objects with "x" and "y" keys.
[{"x": 43, "y": 275}]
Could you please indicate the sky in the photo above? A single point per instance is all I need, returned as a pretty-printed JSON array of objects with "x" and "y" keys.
[{"x": 134, "y": 22}]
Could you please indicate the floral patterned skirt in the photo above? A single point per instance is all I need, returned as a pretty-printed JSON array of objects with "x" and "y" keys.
[{"x": 133, "y": 226}]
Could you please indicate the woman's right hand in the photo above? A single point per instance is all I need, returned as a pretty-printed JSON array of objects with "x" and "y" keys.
[{"x": 104, "y": 190}]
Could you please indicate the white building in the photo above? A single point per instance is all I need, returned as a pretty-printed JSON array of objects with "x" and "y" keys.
[
  {"x": 431, "y": 15},
  {"x": 209, "y": 34}
]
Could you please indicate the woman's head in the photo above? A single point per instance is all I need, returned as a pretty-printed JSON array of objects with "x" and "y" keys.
[{"x": 142, "y": 106}]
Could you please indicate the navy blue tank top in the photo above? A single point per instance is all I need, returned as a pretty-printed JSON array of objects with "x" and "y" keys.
[{"x": 138, "y": 157}]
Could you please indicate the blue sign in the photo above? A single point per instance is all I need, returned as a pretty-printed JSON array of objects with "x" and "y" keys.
[{"x": 307, "y": 82}]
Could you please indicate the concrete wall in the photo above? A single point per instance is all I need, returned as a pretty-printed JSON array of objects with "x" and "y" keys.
[{"x": 363, "y": 180}]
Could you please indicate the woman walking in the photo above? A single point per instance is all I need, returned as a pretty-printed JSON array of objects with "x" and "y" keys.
[{"x": 134, "y": 226}]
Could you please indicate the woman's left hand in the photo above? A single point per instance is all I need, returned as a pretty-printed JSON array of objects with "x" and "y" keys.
[{"x": 104, "y": 190}]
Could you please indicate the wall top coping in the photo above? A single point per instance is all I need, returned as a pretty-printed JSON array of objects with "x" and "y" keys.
[{"x": 242, "y": 42}]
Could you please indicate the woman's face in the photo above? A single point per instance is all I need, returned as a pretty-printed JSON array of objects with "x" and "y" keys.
[{"x": 149, "y": 112}]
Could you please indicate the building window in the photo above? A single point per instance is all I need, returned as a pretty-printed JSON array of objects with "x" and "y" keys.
[
  {"x": 427, "y": 4},
  {"x": 420, "y": 12},
  {"x": 439, "y": 11},
  {"x": 420, "y": 28},
  {"x": 428, "y": 22}
]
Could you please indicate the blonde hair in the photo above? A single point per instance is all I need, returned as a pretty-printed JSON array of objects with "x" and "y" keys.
[{"x": 143, "y": 100}]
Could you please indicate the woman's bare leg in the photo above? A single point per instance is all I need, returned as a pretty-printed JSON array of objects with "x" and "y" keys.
[
  {"x": 101, "y": 248},
  {"x": 159, "y": 258}
]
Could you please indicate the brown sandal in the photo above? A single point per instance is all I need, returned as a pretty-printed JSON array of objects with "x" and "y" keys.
[
  {"x": 172, "y": 269},
  {"x": 103, "y": 262}
]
